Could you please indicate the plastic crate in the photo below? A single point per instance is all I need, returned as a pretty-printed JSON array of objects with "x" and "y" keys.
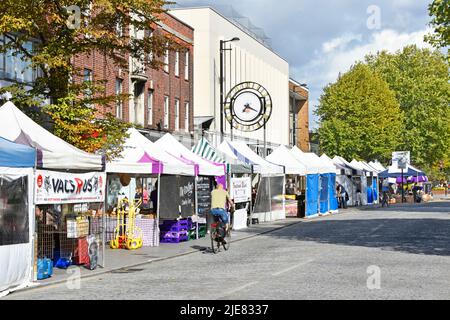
[
  {"x": 173, "y": 235},
  {"x": 175, "y": 240}
]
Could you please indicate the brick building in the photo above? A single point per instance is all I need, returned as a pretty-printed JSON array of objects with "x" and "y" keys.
[
  {"x": 299, "y": 116},
  {"x": 160, "y": 100}
]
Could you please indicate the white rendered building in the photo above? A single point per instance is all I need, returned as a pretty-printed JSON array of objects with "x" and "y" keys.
[{"x": 250, "y": 59}]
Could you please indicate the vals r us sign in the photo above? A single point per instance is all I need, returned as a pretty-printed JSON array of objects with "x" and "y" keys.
[{"x": 59, "y": 187}]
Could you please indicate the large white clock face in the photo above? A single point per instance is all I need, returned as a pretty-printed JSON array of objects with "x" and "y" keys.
[{"x": 247, "y": 106}]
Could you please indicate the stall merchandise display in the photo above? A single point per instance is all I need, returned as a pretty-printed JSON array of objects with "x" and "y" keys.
[{"x": 77, "y": 228}]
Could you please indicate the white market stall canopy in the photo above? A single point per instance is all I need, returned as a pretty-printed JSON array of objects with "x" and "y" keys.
[
  {"x": 330, "y": 164},
  {"x": 314, "y": 163},
  {"x": 52, "y": 152},
  {"x": 141, "y": 156},
  {"x": 341, "y": 168},
  {"x": 203, "y": 167},
  {"x": 378, "y": 166},
  {"x": 242, "y": 151},
  {"x": 283, "y": 157},
  {"x": 356, "y": 168}
]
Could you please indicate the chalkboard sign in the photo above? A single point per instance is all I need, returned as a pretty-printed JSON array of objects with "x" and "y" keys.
[
  {"x": 204, "y": 188},
  {"x": 176, "y": 192}
]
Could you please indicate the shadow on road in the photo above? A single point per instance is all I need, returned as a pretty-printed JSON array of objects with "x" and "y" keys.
[
  {"x": 432, "y": 207},
  {"x": 421, "y": 235},
  {"x": 418, "y": 236}
]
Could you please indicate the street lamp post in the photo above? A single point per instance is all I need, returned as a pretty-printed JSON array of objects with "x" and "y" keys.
[{"x": 222, "y": 50}]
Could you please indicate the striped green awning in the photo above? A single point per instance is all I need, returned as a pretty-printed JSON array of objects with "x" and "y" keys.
[{"x": 205, "y": 150}]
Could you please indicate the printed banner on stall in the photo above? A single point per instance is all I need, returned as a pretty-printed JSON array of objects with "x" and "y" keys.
[
  {"x": 59, "y": 187},
  {"x": 241, "y": 189}
]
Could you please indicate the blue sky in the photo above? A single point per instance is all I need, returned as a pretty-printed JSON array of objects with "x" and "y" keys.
[{"x": 321, "y": 38}]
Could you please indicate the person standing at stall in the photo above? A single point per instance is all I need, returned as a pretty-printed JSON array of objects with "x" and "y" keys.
[
  {"x": 154, "y": 198},
  {"x": 145, "y": 198}
]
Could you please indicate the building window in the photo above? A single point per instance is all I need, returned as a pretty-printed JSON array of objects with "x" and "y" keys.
[
  {"x": 87, "y": 79},
  {"x": 150, "y": 55},
  {"x": 17, "y": 67},
  {"x": 186, "y": 66},
  {"x": 150, "y": 108},
  {"x": 177, "y": 114},
  {"x": 186, "y": 117},
  {"x": 166, "y": 112},
  {"x": 166, "y": 61},
  {"x": 119, "y": 102},
  {"x": 177, "y": 64}
]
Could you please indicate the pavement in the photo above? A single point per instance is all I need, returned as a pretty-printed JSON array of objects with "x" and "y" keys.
[{"x": 401, "y": 252}]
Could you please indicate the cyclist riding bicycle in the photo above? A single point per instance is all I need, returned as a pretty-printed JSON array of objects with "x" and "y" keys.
[{"x": 219, "y": 201}]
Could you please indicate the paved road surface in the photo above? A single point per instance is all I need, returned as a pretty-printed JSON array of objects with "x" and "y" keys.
[{"x": 326, "y": 259}]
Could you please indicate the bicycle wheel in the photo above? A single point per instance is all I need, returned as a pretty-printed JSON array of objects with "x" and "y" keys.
[
  {"x": 215, "y": 246},
  {"x": 226, "y": 244}
]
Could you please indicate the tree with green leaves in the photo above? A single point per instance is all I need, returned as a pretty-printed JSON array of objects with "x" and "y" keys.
[
  {"x": 50, "y": 33},
  {"x": 420, "y": 80},
  {"x": 439, "y": 10},
  {"x": 359, "y": 116}
]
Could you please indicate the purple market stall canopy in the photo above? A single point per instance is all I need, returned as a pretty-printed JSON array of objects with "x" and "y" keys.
[
  {"x": 52, "y": 152},
  {"x": 141, "y": 156}
]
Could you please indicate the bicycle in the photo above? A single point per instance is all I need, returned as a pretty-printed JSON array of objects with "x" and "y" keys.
[{"x": 219, "y": 236}]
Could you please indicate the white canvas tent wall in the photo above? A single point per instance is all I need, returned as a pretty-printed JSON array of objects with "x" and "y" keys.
[
  {"x": 205, "y": 168},
  {"x": 141, "y": 156},
  {"x": 363, "y": 179},
  {"x": 16, "y": 162},
  {"x": 53, "y": 152},
  {"x": 349, "y": 181}
]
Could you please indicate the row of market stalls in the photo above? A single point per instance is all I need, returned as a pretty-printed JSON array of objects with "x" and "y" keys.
[{"x": 60, "y": 205}]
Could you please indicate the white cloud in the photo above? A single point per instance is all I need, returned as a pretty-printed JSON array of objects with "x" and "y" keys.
[
  {"x": 340, "y": 42},
  {"x": 340, "y": 53}
]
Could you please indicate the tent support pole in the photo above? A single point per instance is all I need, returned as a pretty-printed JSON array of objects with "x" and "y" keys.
[
  {"x": 196, "y": 207},
  {"x": 403, "y": 189},
  {"x": 105, "y": 203},
  {"x": 157, "y": 208}
]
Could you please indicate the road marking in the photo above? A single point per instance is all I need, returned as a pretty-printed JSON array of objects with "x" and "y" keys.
[
  {"x": 292, "y": 268},
  {"x": 376, "y": 229},
  {"x": 240, "y": 288}
]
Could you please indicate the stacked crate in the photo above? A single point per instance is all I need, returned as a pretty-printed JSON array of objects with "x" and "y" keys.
[{"x": 174, "y": 231}]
